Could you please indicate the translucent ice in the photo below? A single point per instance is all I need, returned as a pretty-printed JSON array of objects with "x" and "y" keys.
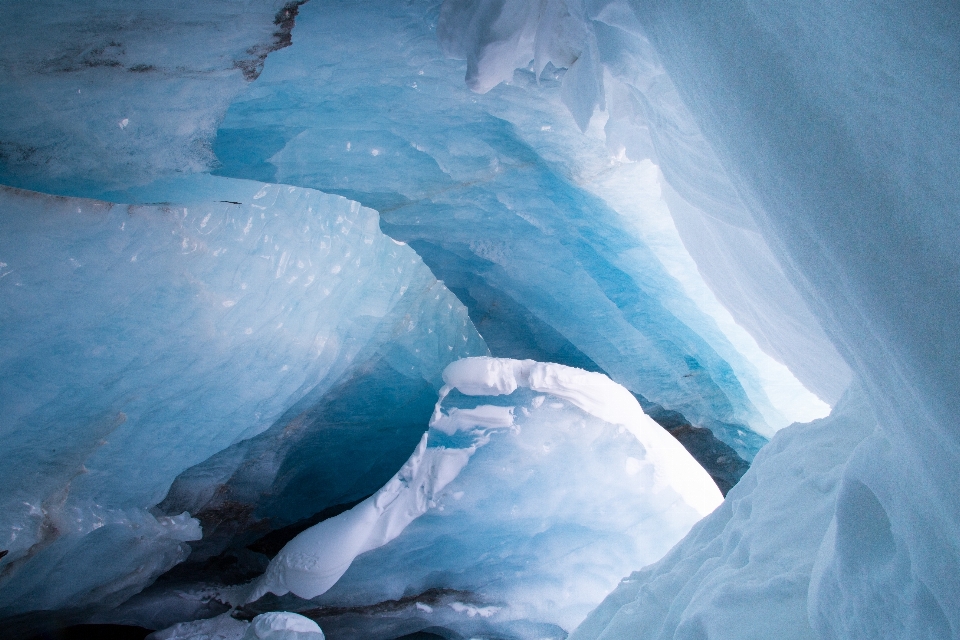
[
  {"x": 513, "y": 207},
  {"x": 139, "y": 341}
]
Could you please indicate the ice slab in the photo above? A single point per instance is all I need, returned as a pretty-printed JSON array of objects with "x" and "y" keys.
[{"x": 139, "y": 341}]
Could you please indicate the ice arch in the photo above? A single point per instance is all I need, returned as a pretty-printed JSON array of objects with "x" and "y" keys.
[{"x": 710, "y": 204}]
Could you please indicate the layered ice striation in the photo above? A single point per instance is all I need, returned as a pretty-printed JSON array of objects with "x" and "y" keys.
[
  {"x": 139, "y": 341},
  {"x": 539, "y": 229},
  {"x": 535, "y": 485}
]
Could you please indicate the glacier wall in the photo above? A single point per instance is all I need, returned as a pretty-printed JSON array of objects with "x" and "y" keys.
[
  {"x": 833, "y": 123},
  {"x": 517, "y": 212},
  {"x": 721, "y": 207}
]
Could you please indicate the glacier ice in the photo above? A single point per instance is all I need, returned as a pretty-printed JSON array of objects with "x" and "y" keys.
[
  {"x": 276, "y": 625},
  {"x": 120, "y": 93},
  {"x": 550, "y": 479},
  {"x": 516, "y": 215},
  {"x": 829, "y": 122},
  {"x": 744, "y": 570},
  {"x": 719, "y": 206},
  {"x": 139, "y": 341}
]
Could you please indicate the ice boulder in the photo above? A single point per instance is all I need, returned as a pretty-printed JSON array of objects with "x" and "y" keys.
[
  {"x": 281, "y": 625},
  {"x": 535, "y": 487}
]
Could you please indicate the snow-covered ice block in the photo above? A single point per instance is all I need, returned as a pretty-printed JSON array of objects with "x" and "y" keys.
[
  {"x": 282, "y": 625},
  {"x": 535, "y": 486},
  {"x": 561, "y": 251},
  {"x": 139, "y": 341}
]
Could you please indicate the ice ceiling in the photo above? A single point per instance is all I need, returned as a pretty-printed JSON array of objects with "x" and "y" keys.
[{"x": 420, "y": 319}]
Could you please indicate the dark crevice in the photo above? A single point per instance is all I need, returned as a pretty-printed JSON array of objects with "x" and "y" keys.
[
  {"x": 431, "y": 597},
  {"x": 719, "y": 459},
  {"x": 285, "y": 20},
  {"x": 271, "y": 544}
]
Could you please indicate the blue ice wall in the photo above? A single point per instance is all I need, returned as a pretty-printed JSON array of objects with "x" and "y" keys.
[
  {"x": 139, "y": 341},
  {"x": 487, "y": 200}
]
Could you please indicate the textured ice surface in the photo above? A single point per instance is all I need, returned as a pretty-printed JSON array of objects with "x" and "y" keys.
[
  {"x": 536, "y": 484},
  {"x": 141, "y": 340},
  {"x": 614, "y": 67},
  {"x": 535, "y": 226},
  {"x": 113, "y": 93},
  {"x": 276, "y": 625}
]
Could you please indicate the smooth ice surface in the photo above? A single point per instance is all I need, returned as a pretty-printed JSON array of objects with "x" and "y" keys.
[
  {"x": 536, "y": 484},
  {"x": 141, "y": 340}
]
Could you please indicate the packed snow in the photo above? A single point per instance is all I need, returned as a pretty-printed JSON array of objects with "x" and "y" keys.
[{"x": 139, "y": 341}]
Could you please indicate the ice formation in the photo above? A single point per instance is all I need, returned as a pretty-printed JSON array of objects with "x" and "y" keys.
[
  {"x": 552, "y": 490},
  {"x": 743, "y": 214},
  {"x": 141, "y": 340},
  {"x": 276, "y": 625},
  {"x": 518, "y": 216}
]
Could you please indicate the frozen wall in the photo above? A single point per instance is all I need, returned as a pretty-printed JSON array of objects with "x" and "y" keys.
[
  {"x": 614, "y": 67},
  {"x": 833, "y": 127},
  {"x": 139, "y": 341},
  {"x": 837, "y": 124},
  {"x": 513, "y": 207}
]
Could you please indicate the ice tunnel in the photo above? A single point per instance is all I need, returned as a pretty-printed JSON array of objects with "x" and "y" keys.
[{"x": 479, "y": 319}]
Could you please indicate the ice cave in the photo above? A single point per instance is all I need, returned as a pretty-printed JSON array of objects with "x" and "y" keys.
[{"x": 479, "y": 320}]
